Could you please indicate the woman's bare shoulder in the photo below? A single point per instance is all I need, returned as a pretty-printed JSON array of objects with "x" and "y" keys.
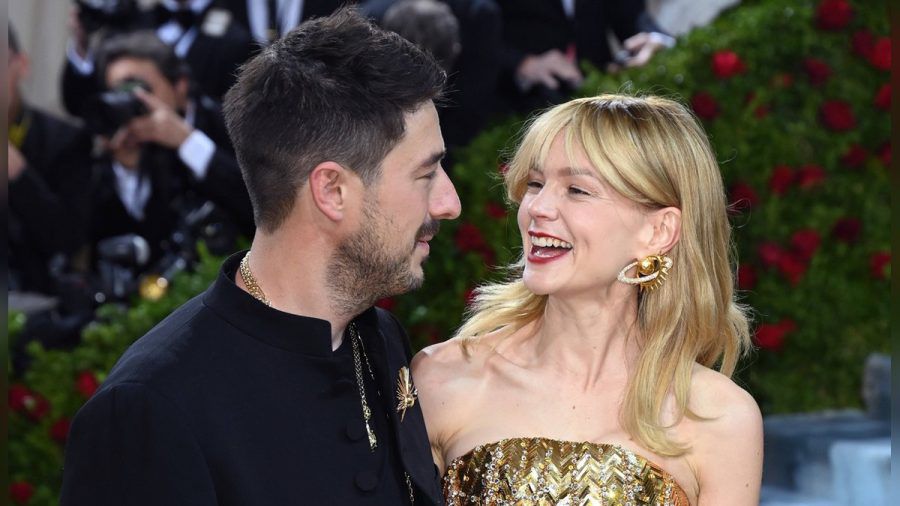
[{"x": 727, "y": 442}]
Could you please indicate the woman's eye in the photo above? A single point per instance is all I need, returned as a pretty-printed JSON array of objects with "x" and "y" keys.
[
  {"x": 578, "y": 191},
  {"x": 537, "y": 185}
]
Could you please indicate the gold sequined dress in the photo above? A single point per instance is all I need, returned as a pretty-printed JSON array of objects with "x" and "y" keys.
[{"x": 541, "y": 471}]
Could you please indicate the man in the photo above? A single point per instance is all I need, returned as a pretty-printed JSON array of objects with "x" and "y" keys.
[
  {"x": 201, "y": 32},
  {"x": 282, "y": 384},
  {"x": 168, "y": 161},
  {"x": 464, "y": 35},
  {"x": 48, "y": 174}
]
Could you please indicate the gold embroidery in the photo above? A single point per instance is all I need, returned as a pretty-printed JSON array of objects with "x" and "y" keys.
[{"x": 541, "y": 471}]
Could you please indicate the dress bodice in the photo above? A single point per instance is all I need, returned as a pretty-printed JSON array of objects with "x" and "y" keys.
[{"x": 540, "y": 471}]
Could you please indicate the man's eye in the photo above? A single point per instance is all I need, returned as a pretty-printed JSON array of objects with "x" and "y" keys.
[{"x": 430, "y": 175}]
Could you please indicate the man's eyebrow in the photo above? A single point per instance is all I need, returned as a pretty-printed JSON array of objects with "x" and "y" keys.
[{"x": 434, "y": 159}]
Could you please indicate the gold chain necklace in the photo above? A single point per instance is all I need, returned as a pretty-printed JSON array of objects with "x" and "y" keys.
[{"x": 359, "y": 354}]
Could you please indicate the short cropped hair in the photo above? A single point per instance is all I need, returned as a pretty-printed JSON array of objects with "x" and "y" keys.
[
  {"x": 429, "y": 24},
  {"x": 141, "y": 45},
  {"x": 334, "y": 89}
]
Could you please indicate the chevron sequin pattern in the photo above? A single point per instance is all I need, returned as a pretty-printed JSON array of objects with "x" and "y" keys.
[{"x": 543, "y": 472}]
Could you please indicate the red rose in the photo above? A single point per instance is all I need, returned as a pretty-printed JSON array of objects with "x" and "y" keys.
[
  {"x": 37, "y": 407},
  {"x": 503, "y": 168},
  {"x": 746, "y": 277},
  {"x": 705, "y": 106},
  {"x": 883, "y": 97},
  {"x": 837, "y": 115},
  {"x": 770, "y": 336},
  {"x": 21, "y": 491},
  {"x": 388, "y": 303},
  {"x": 863, "y": 43},
  {"x": 86, "y": 384},
  {"x": 884, "y": 154},
  {"x": 809, "y": 176},
  {"x": 743, "y": 197},
  {"x": 880, "y": 57},
  {"x": 770, "y": 253},
  {"x": 847, "y": 230},
  {"x": 805, "y": 243},
  {"x": 727, "y": 64},
  {"x": 59, "y": 431},
  {"x": 469, "y": 238},
  {"x": 495, "y": 210},
  {"x": 833, "y": 14},
  {"x": 792, "y": 267},
  {"x": 781, "y": 180},
  {"x": 877, "y": 263},
  {"x": 19, "y": 396},
  {"x": 855, "y": 156},
  {"x": 817, "y": 70}
]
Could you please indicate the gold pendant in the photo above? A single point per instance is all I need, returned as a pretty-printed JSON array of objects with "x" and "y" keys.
[{"x": 406, "y": 392}]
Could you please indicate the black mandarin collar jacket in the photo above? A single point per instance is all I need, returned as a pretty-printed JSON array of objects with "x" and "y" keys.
[{"x": 230, "y": 402}]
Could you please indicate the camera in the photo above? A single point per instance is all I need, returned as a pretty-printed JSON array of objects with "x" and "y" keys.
[
  {"x": 108, "y": 111},
  {"x": 97, "y": 14}
]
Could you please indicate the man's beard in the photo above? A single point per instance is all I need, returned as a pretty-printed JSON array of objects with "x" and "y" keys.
[{"x": 365, "y": 269}]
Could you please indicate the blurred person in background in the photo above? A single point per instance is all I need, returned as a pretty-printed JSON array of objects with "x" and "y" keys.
[
  {"x": 167, "y": 150},
  {"x": 544, "y": 42},
  {"x": 203, "y": 33},
  {"x": 464, "y": 36},
  {"x": 48, "y": 176}
]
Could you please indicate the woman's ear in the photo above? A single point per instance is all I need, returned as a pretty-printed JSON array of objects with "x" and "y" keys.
[
  {"x": 666, "y": 229},
  {"x": 328, "y": 187}
]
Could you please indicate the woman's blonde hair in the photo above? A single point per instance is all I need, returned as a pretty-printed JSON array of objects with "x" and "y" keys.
[{"x": 652, "y": 151}]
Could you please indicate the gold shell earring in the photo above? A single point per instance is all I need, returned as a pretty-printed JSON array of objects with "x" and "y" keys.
[{"x": 652, "y": 272}]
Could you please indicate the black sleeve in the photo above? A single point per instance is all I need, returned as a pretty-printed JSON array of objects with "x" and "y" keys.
[
  {"x": 129, "y": 445},
  {"x": 629, "y": 17},
  {"x": 54, "y": 212}
]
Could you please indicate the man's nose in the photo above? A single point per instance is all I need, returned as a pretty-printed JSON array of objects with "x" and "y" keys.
[{"x": 445, "y": 203}]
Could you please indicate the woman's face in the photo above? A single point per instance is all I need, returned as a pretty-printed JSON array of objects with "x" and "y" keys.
[{"x": 576, "y": 231}]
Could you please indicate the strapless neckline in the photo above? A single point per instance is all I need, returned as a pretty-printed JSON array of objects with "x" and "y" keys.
[{"x": 633, "y": 474}]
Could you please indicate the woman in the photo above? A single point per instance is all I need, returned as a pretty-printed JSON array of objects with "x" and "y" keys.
[{"x": 587, "y": 379}]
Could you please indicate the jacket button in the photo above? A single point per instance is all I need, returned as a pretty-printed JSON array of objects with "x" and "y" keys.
[
  {"x": 366, "y": 481},
  {"x": 355, "y": 429}
]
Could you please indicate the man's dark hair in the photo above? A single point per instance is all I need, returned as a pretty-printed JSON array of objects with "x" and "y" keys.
[
  {"x": 13, "y": 44},
  {"x": 429, "y": 24},
  {"x": 334, "y": 89},
  {"x": 142, "y": 45}
]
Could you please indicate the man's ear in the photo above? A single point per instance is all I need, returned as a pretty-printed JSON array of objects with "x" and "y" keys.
[
  {"x": 328, "y": 187},
  {"x": 666, "y": 224},
  {"x": 182, "y": 90}
]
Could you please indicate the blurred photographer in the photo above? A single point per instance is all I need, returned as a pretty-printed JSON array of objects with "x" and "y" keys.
[
  {"x": 167, "y": 151},
  {"x": 48, "y": 175},
  {"x": 203, "y": 33}
]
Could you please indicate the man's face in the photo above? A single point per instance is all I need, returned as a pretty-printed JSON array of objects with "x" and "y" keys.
[
  {"x": 401, "y": 213},
  {"x": 127, "y": 69}
]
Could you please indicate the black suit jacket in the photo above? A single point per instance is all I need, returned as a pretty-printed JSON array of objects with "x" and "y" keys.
[
  {"x": 230, "y": 402},
  {"x": 213, "y": 60},
  {"x": 48, "y": 202},
  {"x": 173, "y": 188}
]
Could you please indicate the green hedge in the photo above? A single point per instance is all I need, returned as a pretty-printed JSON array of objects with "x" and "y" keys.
[{"x": 795, "y": 97}]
